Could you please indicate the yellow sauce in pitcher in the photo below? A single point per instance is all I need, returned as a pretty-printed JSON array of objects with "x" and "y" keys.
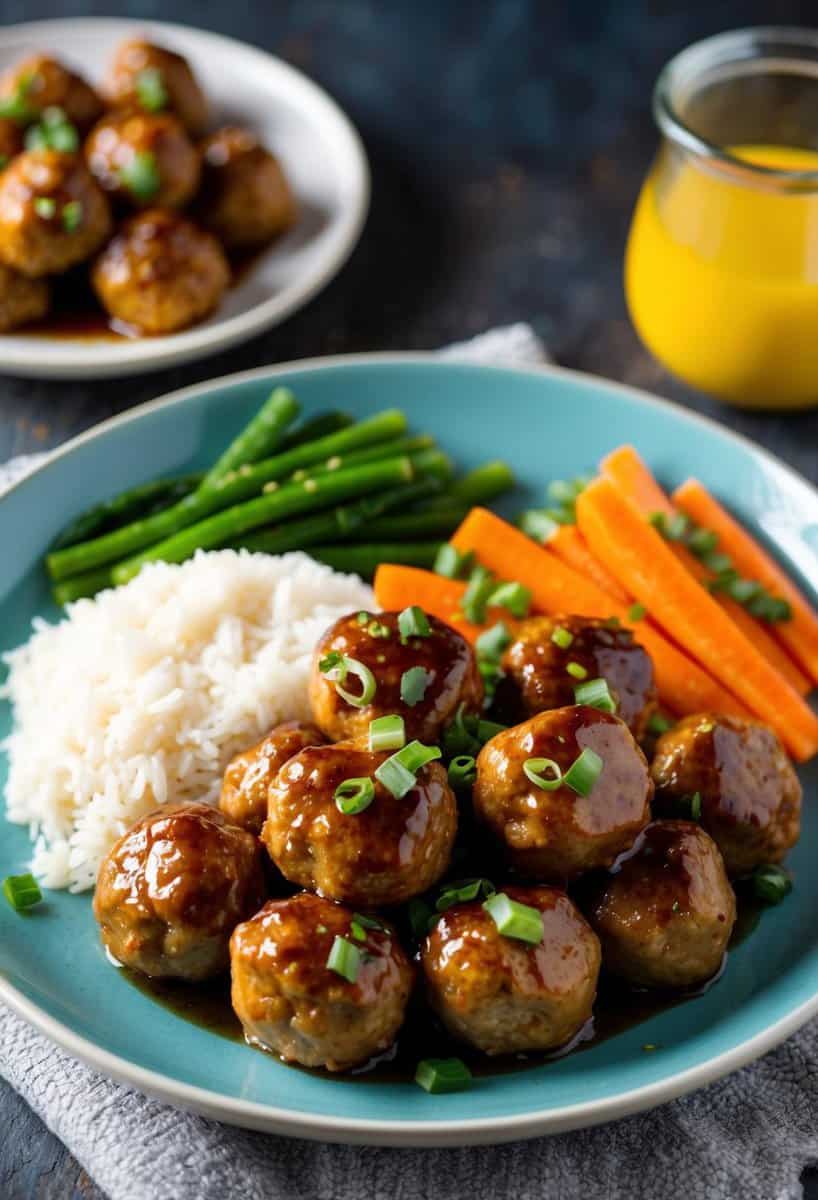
[{"x": 721, "y": 278}]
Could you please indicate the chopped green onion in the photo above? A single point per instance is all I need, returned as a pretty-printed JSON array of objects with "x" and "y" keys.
[
  {"x": 462, "y": 772},
  {"x": 770, "y": 608},
  {"x": 565, "y": 491},
  {"x": 150, "y": 90},
  {"x": 486, "y": 730},
  {"x": 4, "y": 161},
  {"x": 637, "y": 612},
  {"x": 413, "y": 622},
  {"x": 330, "y": 661},
  {"x": 71, "y": 216},
  {"x": 397, "y": 773},
  {"x": 413, "y": 685},
  {"x": 357, "y": 930},
  {"x": 537, "y": 524},
  {"x": 743, "y": 590},
  {"x": 703, "y": 541},
  {"x": 535, "y": 770},
  {"x": 45, "y": 207},
  {"x": 475, "y": 598},
  {"x": 439, "y": 1075},
  {"x": 450, "y": 563},
  {"x": 15, "y": 106},
  {"x": 515, "y": 598},
  {"x": 377, "y": 629},
  {"x": 370, "y": 922},
  {"x": 576, "y": 670},
  {"x": 658, "y": 724},
  {"x": 584, "y": 772},
  {"x": 696, "y": 806},
  {"x": 338, "y": 667},
  {"x": 53, "y": 132},
  {"x": 321, "y": 929},
  {"x": 491, "y": 644},
  {"x": 344, "y": 959},
  {"x": 362, "y": 618},
  {"x": 353, "y": 796},
  {"x": 672, "y": 526},
  {"x": 21, "y": 891},
  {"x": 387, "y": 733},
  {"x": 422, "y": 917},
  {"x": 141, "y": 175},
  {"x": 467, "y": 734},
  {"x": 596, "y": 694},
  {"x": 462, "y": 891},
  {"x": 515, "y": 920},
  {"x": 717, "y": 562},
  {"x": 771, "y": 883},
  {"x": 562, "y": 637}
]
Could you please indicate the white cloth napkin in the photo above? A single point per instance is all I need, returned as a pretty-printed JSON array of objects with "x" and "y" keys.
[{"x": 748, "y": 1136}]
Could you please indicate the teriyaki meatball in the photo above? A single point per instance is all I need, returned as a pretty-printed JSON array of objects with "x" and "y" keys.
[
  {"x": 245, "y": 199},
  {"x": 248, "y": 776},
  {"x": 144, "y": 158},
  {"x": 142, "y": 75}
]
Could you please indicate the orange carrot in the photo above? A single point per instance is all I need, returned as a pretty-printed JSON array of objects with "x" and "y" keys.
[
  {"x": 683, "y": 685},
  {"x": 569, "y": 546},
  {"x": 800, "y": 633},
  {"x": 647, "y": 568},
  {"x": 627, "y": 470},
  {"x": 396, "y": 587}
]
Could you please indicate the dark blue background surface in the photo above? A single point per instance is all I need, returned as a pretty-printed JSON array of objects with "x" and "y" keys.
[{"x": 507, "y": 142}]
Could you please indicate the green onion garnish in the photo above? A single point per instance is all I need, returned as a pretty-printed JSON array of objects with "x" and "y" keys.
[
  {"x": 696, "y": 806},
  {"x": 397, "y": 774},
  {"x": 486, "y": 730},
  {"x": 413, "y": 622},
  {"x": 462, "y": 772},
  {"x": 450, "y": 563},
  {"x": 562, "y": 637},
  {"x": 672, "y": 526},
  {"x": 743, "y": 590},
  {"x": 576, "y": 670},
  {"x": 596, "y": 694},
  {"x": 150, "y": 90},
  {"x": 45, "y": 207},
  {"x": 535, "y": 770},
  {"x": 584, "y": 772},
  {"x": 362, "y": 618},
  {"x": 515, "y": 598},
  {"x": 387, "y": 733},
  {"x": 537, "y": 523},
  {"x": 141, "y": 175},
  {"x": 413, "y": 685},
  {"x": 716, "y": 562},
  {"x": 515, "y": 920},
  {"x": 357, "y": 930},
  {"x": 422, "y": 917},
  {"x": 491, "y": 644},
  {"x": 337, "y": 667},
  {"x": 439, "y": 1075},
  {"x": 658, "y": 724},
  {"x": 21, "y": 891},
  {"x": 370, "y": 922},
  {"x": 354, "y": 795},
  {"x": 771, "y": 883},
  {"x": 344, "y": 959},
  {"x": 702, "y": 541},
  {"x": 71, "y": 216},
  {"x": 637, "y": 612},
  {"x": 462, "y": 891},
  {"x": 475, "y": 598}
]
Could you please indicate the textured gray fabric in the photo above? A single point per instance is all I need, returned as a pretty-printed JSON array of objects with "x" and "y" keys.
[{"x": 748, "y": 1136}]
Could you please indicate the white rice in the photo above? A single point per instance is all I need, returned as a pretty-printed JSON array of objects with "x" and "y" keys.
[{"x": 145, "y": 693}]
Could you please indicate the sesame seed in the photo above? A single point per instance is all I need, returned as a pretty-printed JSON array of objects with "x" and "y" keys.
[
  {"x": 272, "y": 486},
  {"x": 310, "y": 485},
  {"x": 334, "y": 463}
]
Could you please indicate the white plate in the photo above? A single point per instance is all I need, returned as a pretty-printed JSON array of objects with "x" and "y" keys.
[{"x": 320, "y": 151}]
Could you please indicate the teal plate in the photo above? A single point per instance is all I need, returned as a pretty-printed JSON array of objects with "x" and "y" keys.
[{"x": 546, "y": 422}]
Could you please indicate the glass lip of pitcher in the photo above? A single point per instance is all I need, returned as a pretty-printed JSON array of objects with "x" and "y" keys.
[{"x": 791, "y": 48}]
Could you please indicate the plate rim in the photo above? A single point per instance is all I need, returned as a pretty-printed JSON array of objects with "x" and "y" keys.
[
  {"x": 456, "y": 1132},
  {"x": 142, "y": 355}
]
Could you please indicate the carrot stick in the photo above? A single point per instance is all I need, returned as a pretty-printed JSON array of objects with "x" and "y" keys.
[
  {"x": 627, "y": 470},
  {"x": 557, "y": 589},
  {"x": 569, "y": 546},
  {"x": 800, "y": 633},
  {"x": 396, "y": 587},
  {"x": 647, "y": 568}
]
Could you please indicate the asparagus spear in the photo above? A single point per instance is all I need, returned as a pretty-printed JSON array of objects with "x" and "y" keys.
[
  {"x": 243, "y": 484},
  {"x": 258, "y": 439},
  {"x": 364, "y": 560},
  {"x": 125, "y": 507},
  {"x": 286, "y": 501}
]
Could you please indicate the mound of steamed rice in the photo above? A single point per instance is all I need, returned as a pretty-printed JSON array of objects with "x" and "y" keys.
[{"x": 145, "y": 693}]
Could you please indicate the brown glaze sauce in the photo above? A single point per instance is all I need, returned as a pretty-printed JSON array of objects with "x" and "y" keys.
[{"x": 618, "y": 1008}]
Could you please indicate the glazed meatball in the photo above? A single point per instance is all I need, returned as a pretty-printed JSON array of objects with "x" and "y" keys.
[
  {"x": 42, "y": 82},
  {"x": 142, "y": 75},
  {"x": 506, "y": 996},
  {"x": 750, "y": 794},
  {"x": 173, "y": 889},
  {"x": 536, "y": 676},
  {"x": 248, "y": 777},
  {"x": 245, "y": 198},
  {"x": 394, "y": 849},
  {"x": 556, "y": 834},
  {"x": 290, "y": 1002},
  {"x": 52, "y": 213},
  {"x": 665, "y": 917},
  {"x": 160, "y": 273},
  {"x": 451, "y": 676},
  {"x": 11, "y": 141},
  {"x": 144, "y": 158},
  {"x": 21, "y": 299}
]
